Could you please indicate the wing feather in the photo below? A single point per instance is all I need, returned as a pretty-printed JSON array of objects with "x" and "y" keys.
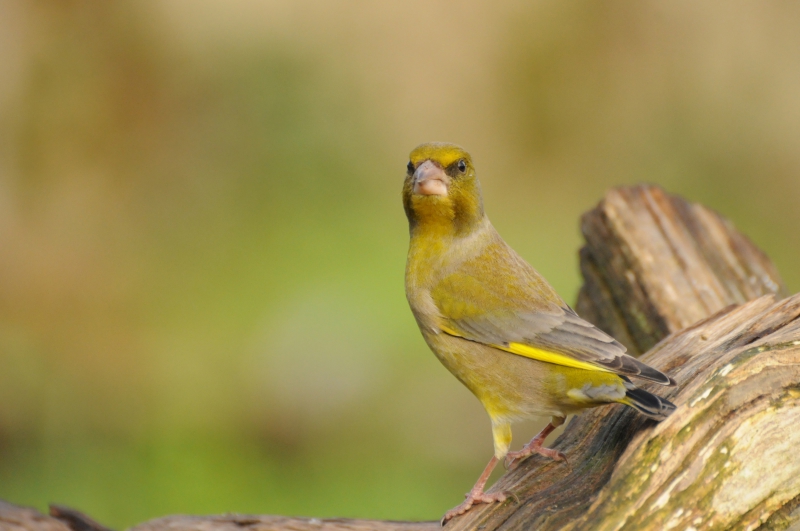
[{"x": 572, "y": 342}]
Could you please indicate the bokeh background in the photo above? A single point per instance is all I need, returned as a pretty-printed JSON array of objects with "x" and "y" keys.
[{"x": 202, "y": 244}]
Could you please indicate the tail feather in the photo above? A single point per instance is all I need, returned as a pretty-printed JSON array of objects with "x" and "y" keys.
[{"x": 647, "y": 403}]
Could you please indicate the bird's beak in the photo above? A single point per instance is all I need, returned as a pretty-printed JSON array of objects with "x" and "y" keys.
[{"x": 430, "y": 179}]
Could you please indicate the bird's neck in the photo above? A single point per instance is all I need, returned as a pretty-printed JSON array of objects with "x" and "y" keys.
[
  {"x": 441, "y": 217},
  {"x": 445, "y": 229}
]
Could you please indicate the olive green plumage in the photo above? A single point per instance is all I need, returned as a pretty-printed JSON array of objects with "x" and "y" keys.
[{"x": 492, "y": 320}]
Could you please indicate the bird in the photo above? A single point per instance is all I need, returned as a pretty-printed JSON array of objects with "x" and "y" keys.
[{"x": 497, "y": 325}]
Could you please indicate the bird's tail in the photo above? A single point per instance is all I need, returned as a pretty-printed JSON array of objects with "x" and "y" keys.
[{"x": 647, "y": 403}]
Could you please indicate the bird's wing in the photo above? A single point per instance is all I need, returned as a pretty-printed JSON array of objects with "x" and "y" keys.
[
  {"x": 520, "y": 313},
  {"x": 563, "y": 339}
]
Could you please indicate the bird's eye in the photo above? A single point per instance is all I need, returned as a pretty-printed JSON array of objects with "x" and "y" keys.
[
  {"x": 462, "y": 166},
  {"x": 410, "y": 167}
]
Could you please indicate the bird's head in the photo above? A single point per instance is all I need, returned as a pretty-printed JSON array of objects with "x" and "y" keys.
[{"x": 441, "y": 188}]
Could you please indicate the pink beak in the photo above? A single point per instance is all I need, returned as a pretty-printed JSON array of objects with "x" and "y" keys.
[{"x": 430, "y": 179}]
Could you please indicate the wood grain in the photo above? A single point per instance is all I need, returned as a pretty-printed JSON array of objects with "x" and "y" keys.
[{"x": 654, "y": 263}]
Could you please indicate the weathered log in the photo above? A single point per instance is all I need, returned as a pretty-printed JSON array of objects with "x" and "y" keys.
[
  {"x": 16, "y": 518},
  {"x": 76, "y": 520},
  {"x": 276, "y": 523},
  {"x": 654, "y": 265}
]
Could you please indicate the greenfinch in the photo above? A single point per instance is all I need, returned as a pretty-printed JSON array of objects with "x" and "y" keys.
[{"x": 497, "y": 325}]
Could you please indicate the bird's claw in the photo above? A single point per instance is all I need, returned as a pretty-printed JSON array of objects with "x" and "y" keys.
[
  {"x": 473, "y": 498},
  {"x": 513, "y": 459}
]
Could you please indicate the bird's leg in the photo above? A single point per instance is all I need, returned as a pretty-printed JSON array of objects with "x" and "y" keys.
[
  {"x": 536, "y": 447},
  {"x": 476, "y": 495}
]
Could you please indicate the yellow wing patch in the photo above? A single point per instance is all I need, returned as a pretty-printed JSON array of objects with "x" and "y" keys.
[
  {"x": 539, "y": 354},
  {"x": 549, "y": 357}
]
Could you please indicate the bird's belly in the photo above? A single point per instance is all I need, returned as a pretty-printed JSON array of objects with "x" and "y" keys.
[
  {"x": 513, "y": 387},
  {"x": 509, "y": 386}
]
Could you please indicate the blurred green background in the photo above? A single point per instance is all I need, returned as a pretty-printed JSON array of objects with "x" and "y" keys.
[{"x": 202, "y": 243}]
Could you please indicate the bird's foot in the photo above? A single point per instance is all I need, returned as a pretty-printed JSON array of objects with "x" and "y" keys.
[
  {"x": 513, "y": 459},
  {"x": 474, "y": 497}
]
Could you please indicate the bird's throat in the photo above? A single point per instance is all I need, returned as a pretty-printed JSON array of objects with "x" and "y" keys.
[{"x": 432, "y": 215}]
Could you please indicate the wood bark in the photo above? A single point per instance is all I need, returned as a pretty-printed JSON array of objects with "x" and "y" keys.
[{"x": 673, "y": 279}]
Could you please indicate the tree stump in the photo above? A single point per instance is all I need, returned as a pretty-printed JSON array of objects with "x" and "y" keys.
[
  {"x": 674, "y": 280},
  {"x": 654, "y": 264}
]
